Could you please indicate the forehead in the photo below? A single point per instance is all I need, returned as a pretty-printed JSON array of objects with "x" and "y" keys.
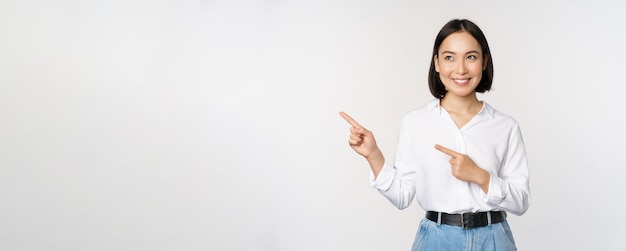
[{"x": 459, "y": 42}]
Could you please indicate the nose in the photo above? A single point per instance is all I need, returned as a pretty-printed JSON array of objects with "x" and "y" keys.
[{"x": 461, "y": 68}]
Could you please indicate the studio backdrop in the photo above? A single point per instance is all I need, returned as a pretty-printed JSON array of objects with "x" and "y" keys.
[{"x": 213, "y": 125}]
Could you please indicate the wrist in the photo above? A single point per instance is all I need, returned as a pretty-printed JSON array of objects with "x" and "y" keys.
[
  {"x": 376, "y": 158},
  {"x": 376, "y": 161},
  {"x": 376, "y": 154},
  {"x": 483, "y": 180}
]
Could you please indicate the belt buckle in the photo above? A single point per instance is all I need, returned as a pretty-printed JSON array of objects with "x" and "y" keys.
[{"x": 467, "y": 221}]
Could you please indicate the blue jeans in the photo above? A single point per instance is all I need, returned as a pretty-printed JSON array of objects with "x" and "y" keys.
[{"x": 432, "y": 237}]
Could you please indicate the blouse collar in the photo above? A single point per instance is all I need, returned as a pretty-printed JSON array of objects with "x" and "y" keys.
[{"x": 435, "y": 105}]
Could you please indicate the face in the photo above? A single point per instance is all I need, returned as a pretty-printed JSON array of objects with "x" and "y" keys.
[{"x": 460, "y": 64}]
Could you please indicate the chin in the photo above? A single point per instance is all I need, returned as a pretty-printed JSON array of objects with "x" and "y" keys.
[{"x": 462, "y": 93}]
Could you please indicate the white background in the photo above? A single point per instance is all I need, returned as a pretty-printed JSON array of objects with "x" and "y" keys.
[{"x": 213, "y": 125}]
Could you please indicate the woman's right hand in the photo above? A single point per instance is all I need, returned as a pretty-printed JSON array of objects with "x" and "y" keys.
[{"x": 361, "y": 140}]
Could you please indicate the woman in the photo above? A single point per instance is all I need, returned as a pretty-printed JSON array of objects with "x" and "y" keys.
[{"x": 463, "y": 161}]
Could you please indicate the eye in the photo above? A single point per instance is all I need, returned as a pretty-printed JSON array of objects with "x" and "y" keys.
[
  {"x": 448, "y": 58},
  {"x": 472, "y": 57}
]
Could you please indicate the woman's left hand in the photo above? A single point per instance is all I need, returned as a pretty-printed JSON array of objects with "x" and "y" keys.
[{"x": 464, "y": 168}]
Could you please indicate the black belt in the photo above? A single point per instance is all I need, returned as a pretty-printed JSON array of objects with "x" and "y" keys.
[{"x": 468, "y": 220}]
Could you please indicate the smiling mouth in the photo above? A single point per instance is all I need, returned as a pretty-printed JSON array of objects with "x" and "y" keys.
[{"x": 461, "y": 81}]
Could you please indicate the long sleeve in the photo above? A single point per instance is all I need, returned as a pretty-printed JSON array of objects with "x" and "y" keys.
[
  {"x": 397, "y": 182},
  {"x": 510, "y": 189}
]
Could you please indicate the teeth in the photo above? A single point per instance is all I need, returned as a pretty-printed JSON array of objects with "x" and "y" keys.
[{"x": 461, "y": 81}]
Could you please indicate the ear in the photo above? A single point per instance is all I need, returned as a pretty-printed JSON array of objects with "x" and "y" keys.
[
  {"x": 485, "y": 61},
  {"x": 436, "y": 61}
]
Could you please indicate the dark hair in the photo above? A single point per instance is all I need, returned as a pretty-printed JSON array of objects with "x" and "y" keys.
[{"x": 434, "y": 82}]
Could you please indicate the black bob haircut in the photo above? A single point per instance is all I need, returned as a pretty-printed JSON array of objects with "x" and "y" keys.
[{"x": 434, "y": 82}]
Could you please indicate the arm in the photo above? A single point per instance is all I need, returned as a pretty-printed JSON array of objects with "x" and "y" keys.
[
  {"x": 396, "y": 183},
  {"x": 510, "y": 189}
]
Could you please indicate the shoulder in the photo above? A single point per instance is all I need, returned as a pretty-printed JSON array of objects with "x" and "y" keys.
[{"x": 500, "y": 117}]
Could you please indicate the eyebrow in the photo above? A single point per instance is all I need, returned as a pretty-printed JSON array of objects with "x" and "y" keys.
[{"x": 453, "y": 53}]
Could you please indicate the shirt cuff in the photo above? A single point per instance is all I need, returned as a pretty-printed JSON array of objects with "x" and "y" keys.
[
  {"x": 384, "y": 179},
  {"x": 497, "y": 191}
]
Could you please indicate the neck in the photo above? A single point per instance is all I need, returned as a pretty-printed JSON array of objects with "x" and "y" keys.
[{"x": 461, "y": 104}]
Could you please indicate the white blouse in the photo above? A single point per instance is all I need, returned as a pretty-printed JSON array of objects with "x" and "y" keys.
[{"x": 491, "y": 139}]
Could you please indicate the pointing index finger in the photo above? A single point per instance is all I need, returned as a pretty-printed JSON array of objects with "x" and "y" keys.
[
  {"x": 447, "y": 151},
  {"x": 350, "y": 119}
]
